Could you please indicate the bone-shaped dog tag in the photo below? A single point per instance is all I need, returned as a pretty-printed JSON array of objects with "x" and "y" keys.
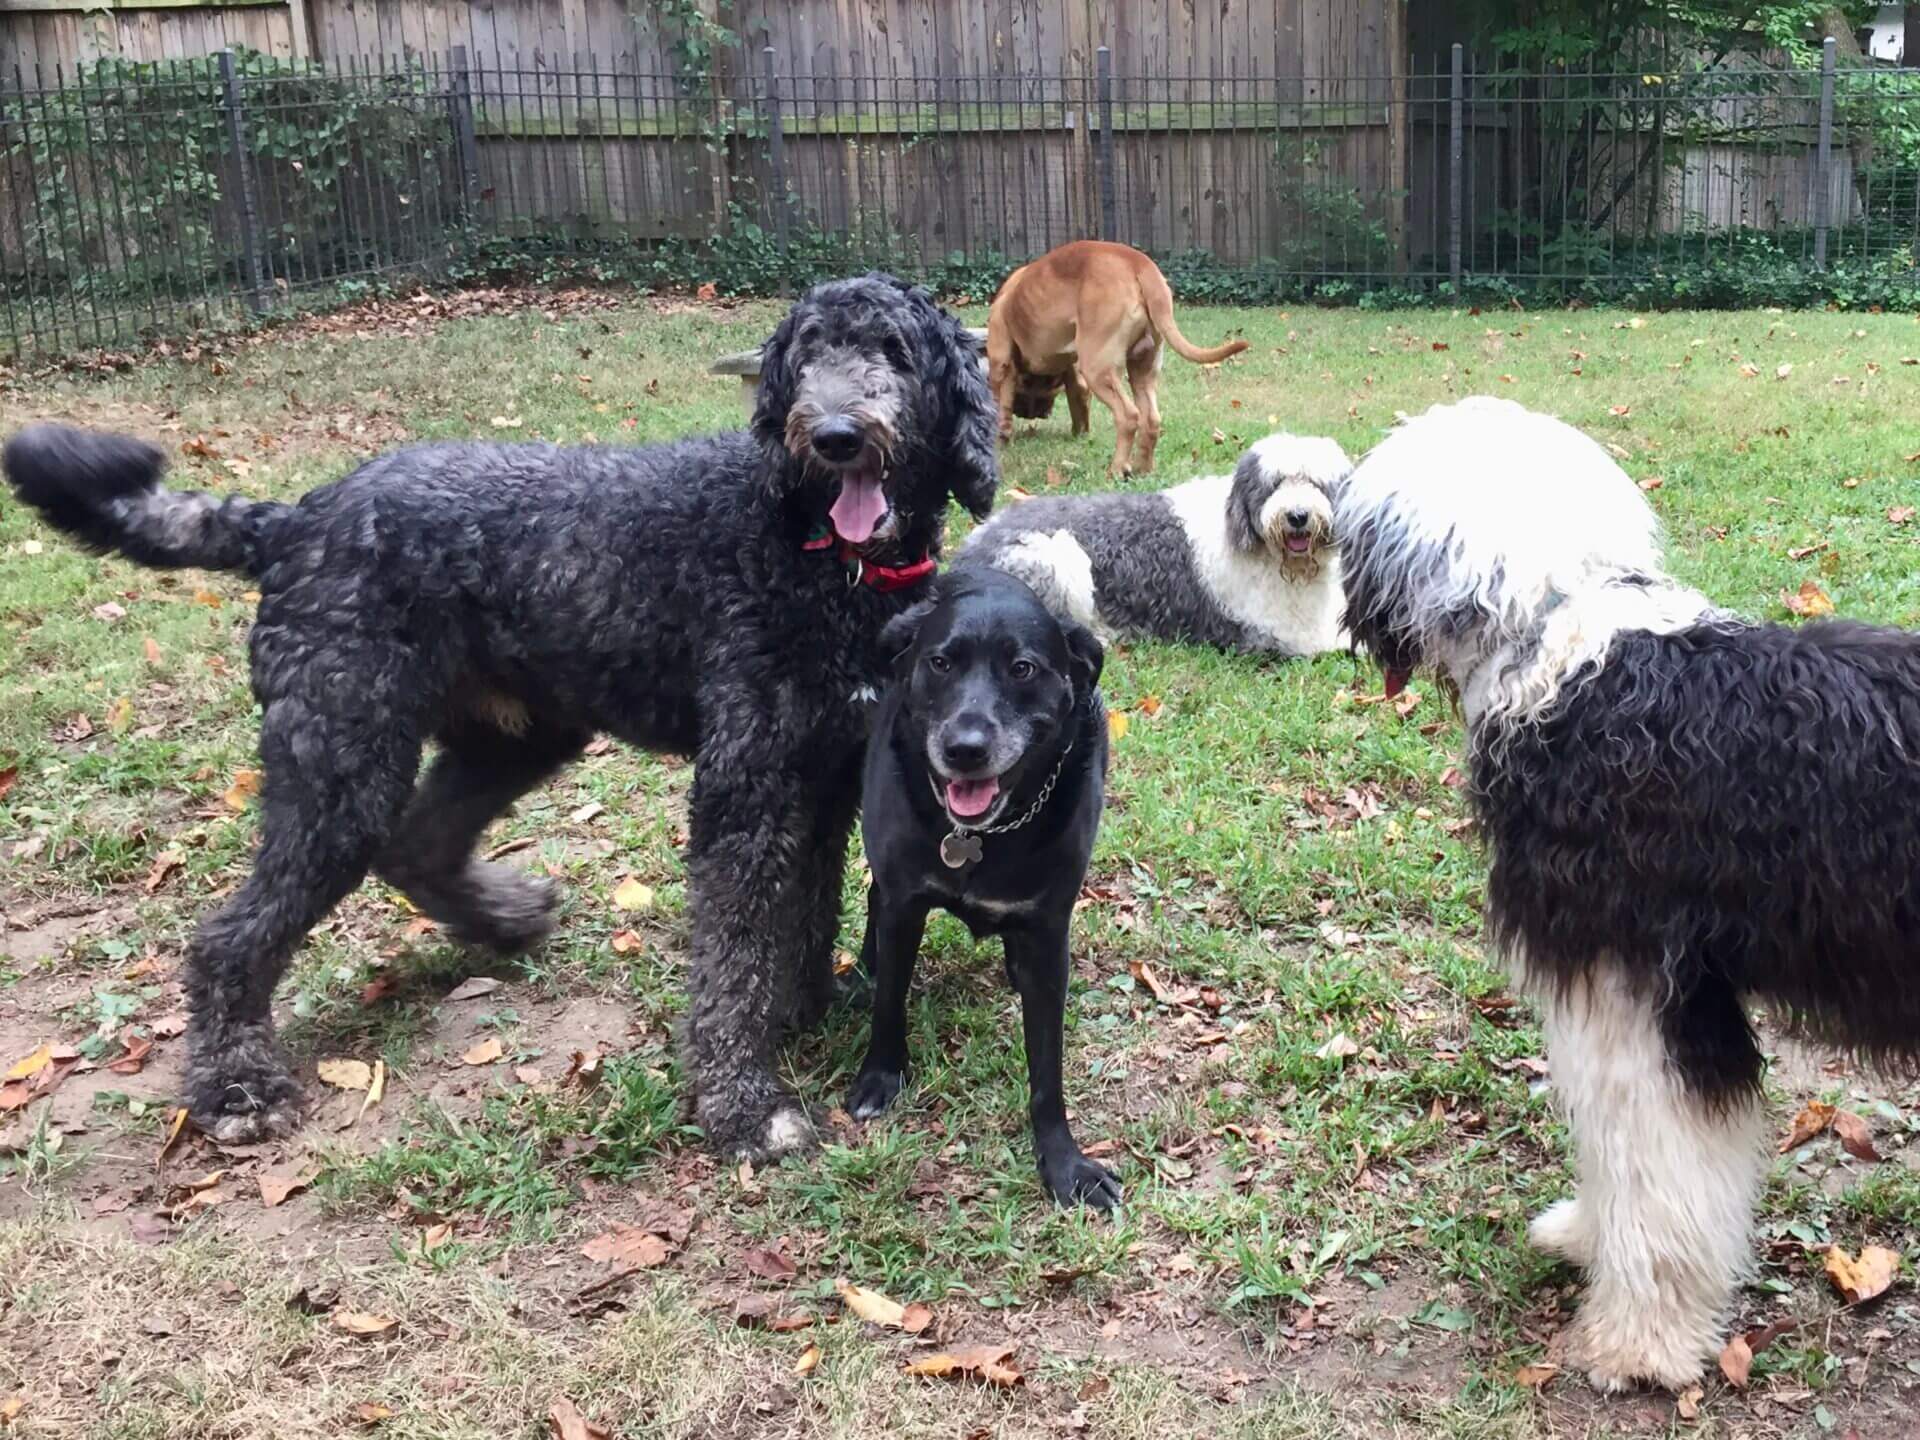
[{"x": 958, "y": 850}]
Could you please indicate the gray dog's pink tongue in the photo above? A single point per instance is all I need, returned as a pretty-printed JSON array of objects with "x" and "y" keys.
[
  {"x": 971, "y": 797},
  {"x": 860, "y": 507}
]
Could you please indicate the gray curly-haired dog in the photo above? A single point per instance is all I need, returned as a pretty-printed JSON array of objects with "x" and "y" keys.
[
  {"x": 719, "y": 597},
  {"x": 1247, "y": 561}
]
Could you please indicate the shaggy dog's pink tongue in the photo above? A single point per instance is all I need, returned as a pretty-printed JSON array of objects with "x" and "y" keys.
[
  {"x": 1397, "y": 679},
  {"x": 860, "y": 507},
  {"x": 1299, "y": 544},
  {"x": 971, "y": 797}
]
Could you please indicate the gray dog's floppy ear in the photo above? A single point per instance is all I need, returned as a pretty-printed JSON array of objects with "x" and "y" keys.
[
  {"x": 898, "y": 635},
  {"x": 777, "y": 382},
  {"x": 965, "y": 419},
  {"x": 1087, "y": 654},
  {"x": 1243, "y": 513}
]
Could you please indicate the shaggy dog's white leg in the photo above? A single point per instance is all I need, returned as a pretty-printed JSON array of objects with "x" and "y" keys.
[{"x": 1666, "y": 1188}]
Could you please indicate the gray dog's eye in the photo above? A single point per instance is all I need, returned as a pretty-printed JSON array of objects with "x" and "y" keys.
[
  {"x": 939, "y": 664},
  {"x": 1023, "y": 670}
]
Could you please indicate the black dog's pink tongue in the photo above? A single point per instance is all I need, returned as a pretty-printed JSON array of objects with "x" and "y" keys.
[
  {"x": 859, "y": 508},
  {"x": 1397, "y": 678},
  {"x": 971, "y": 797}
]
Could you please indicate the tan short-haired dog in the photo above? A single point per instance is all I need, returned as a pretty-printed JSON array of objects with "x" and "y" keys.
[{"x": 1088, "y": 316}]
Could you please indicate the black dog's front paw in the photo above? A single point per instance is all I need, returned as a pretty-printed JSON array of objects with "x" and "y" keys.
[
  {"x": 1072, "y": 1179},
  {"x": 239, "y": 1089},
  {"x": 873, "y": 1091}
]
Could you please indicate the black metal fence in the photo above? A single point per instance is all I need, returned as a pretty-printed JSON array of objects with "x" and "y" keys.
[{"x": 148, "y": 199}]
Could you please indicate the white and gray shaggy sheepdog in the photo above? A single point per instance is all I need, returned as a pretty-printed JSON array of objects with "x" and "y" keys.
[
  {"x": 1686, "y": 812},
  {"x": 1247, "y": 561}
]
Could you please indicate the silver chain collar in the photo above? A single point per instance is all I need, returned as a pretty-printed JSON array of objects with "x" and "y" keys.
[{"x": 962, "y": 843}]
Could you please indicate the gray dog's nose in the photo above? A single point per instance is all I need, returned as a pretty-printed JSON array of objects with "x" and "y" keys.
[
  {"x": 838, "y": 439},
  {"x": 1297, "y": 519}
]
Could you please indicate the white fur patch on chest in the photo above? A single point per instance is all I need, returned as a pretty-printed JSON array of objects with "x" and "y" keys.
[
  {"x": 864, "y": 695},
  {"x": 1250, "y": 586}
]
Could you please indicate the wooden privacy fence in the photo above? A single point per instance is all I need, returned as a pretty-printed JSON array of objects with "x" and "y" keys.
[{"x": 138, "y": 197}]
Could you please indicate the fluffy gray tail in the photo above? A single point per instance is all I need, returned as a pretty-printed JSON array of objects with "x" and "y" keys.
[{"x": 104, "y": 490}]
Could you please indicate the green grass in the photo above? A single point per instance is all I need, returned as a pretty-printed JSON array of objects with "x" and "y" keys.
[{"x": 1387, "y": 1190}]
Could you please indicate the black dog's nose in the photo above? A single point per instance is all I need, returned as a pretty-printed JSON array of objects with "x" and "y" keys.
[
  {"x": 964, "y": 750},
  {"x": 1297, "y": 519},
  {"x": 838, "y": 439}
]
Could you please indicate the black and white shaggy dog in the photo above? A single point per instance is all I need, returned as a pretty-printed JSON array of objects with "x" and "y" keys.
[
  {"x": 1247, "y": 561},
  {"x": 704, "y": 597},
  {"x": 1686, "y": 812},
  {"x": 984, "y": 785}
]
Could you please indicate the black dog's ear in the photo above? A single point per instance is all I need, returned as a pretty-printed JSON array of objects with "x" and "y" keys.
[
  {"x": 777, "y": 383},
  {"x": 1243, "y": 517},
  {"x": 1088, "y": 657},
  {"x": 965, "y": 419},
  {"x": 898, "y": 635}
]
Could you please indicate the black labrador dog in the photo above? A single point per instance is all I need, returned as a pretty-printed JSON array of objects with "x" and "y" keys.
[{"x": 984, "y": 783}]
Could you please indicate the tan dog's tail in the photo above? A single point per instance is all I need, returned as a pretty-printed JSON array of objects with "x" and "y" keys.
[{"x": 1158, "y": 298}]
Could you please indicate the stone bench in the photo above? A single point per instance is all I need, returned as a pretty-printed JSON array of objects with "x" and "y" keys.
[{"x": 746, "y": 364}]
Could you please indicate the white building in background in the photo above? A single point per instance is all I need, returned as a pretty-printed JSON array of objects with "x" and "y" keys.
[{"x": 1886, "y": 35}]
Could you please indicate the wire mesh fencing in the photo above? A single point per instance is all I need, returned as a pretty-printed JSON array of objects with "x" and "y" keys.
[{"x": 148, "y": 199}]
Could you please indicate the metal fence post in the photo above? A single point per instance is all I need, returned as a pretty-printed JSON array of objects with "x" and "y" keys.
[
  {"x": 1823, "y": 160},
  {"x": 256, "y": 275},
  {"x": 777, "y": 163},
  {"x": 1104, "y": 93},
  {"x": 1455, "y": 156},
  {"x": 461, "y": 100}
]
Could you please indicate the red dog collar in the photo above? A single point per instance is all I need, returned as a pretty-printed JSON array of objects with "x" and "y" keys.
[{"x": 884, "y": 578}]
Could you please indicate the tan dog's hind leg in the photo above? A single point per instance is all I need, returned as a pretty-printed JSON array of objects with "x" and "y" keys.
[
  {"x": 1112, "y": 392},
  {"x": 1143, "y": 372},
  {"x": 1077, "y": 393}
]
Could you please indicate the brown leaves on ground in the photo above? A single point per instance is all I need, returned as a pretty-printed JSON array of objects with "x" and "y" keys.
[
  {"x": 8, "y": 775},
  {"x": 632, "y": 894},
  {"x": 977, "y": 1362},
  {"x": 567, "y": 1423},
  {"x": 1736, "y": 1361},
  {"x": 363, "y": 1324},
  {"x": 345, "y": 1074},
  {"x": 36, "y": 1076},
  {"x": 769, "y": 1265},
  {"x": 1862, "y": 1279},
  {"x": 164, "y": 865},
  {"x": 877, "y": 1309},
  {"x": 1855, "y": 1136},
  {"x": 808, "y": 1362},
  {"x": 276, "y": 1190},
  {"x": 1896, "y": 515},
  {"x": 11, "y": 1407},
  {"x": 473, "y": 988},
  {"x": 1808, "y": 602},
  {"x": 176, "y": 1127},
  {"x": 641, "y": 1247},
  {"x": 137, "y": 1048},
  {"x": 764, "y": 1312},
  {"x": 246, "y": 785},
  {"x": 484, "y": 1053},
  {"x": 1533, "y": 1377},
  {"x": 1811, "y": 1120}
]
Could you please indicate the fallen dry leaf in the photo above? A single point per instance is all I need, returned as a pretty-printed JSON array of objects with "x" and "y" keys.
[
  {"x": 1620, "y": 410},
  {"x": 276, "y": 1190},
  {"x": 871, "y": 1306},
  {"x": 808, "y": 1361},
  {"x": 14, "y": 1095},
  {"x": 1784, "y": 371},
  {"x": 1532, "y": 1377},
  {"x": 630, "y": 894},
  {"x": 358, "y": 1322},
  {"x": 1854, "y": 1135},
  {"x": 484, "y": 1053},
  {"x": 1898, "y": 514},
  {"x": 1150, "y": 706},
  {"x": 769, "y": 1265},
  {"x": 176, "y": 1126},
  {"x": 371, "y": 1413},
  {"x": 1143, "y": 973},
  {"x": 137, "y": 1049},
  {"x": 1736, "y": 1362},
  {"x": 474, "y": 988},
  {"x": 917, "y": 1318},
  {"x": 1117, "y": 723},
  {"x": 1339, "y": 1046},
  {"x": 564, "y": 1416},
  {"x": 164, "y": 864},
  {"x": 378, "y": 989},
  {"x": 345, "y": 1074},
  {"x": 628, "y": 1247},
  {"x": 1814, "y": 1118},
  {"x": 983, "y": 1362},
  {"x": 434, "y": 1237},
  {"x": 36, "y": 1062},
  {"x": 1809, "y": 601},
  {"x": 246, "y": 785},
  {"x": 627, "y": 942},
  {"x": 1860, "y": 1280},
  {"x": 11, "y": 1407},
  {"x": 7, "y": 776},
  {"x": 1687, "y": 1404}
]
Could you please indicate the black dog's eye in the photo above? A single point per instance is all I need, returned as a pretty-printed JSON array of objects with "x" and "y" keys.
[
  {"x": 939, "y": 664},
  {"x": 1023, "y": 669}
]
